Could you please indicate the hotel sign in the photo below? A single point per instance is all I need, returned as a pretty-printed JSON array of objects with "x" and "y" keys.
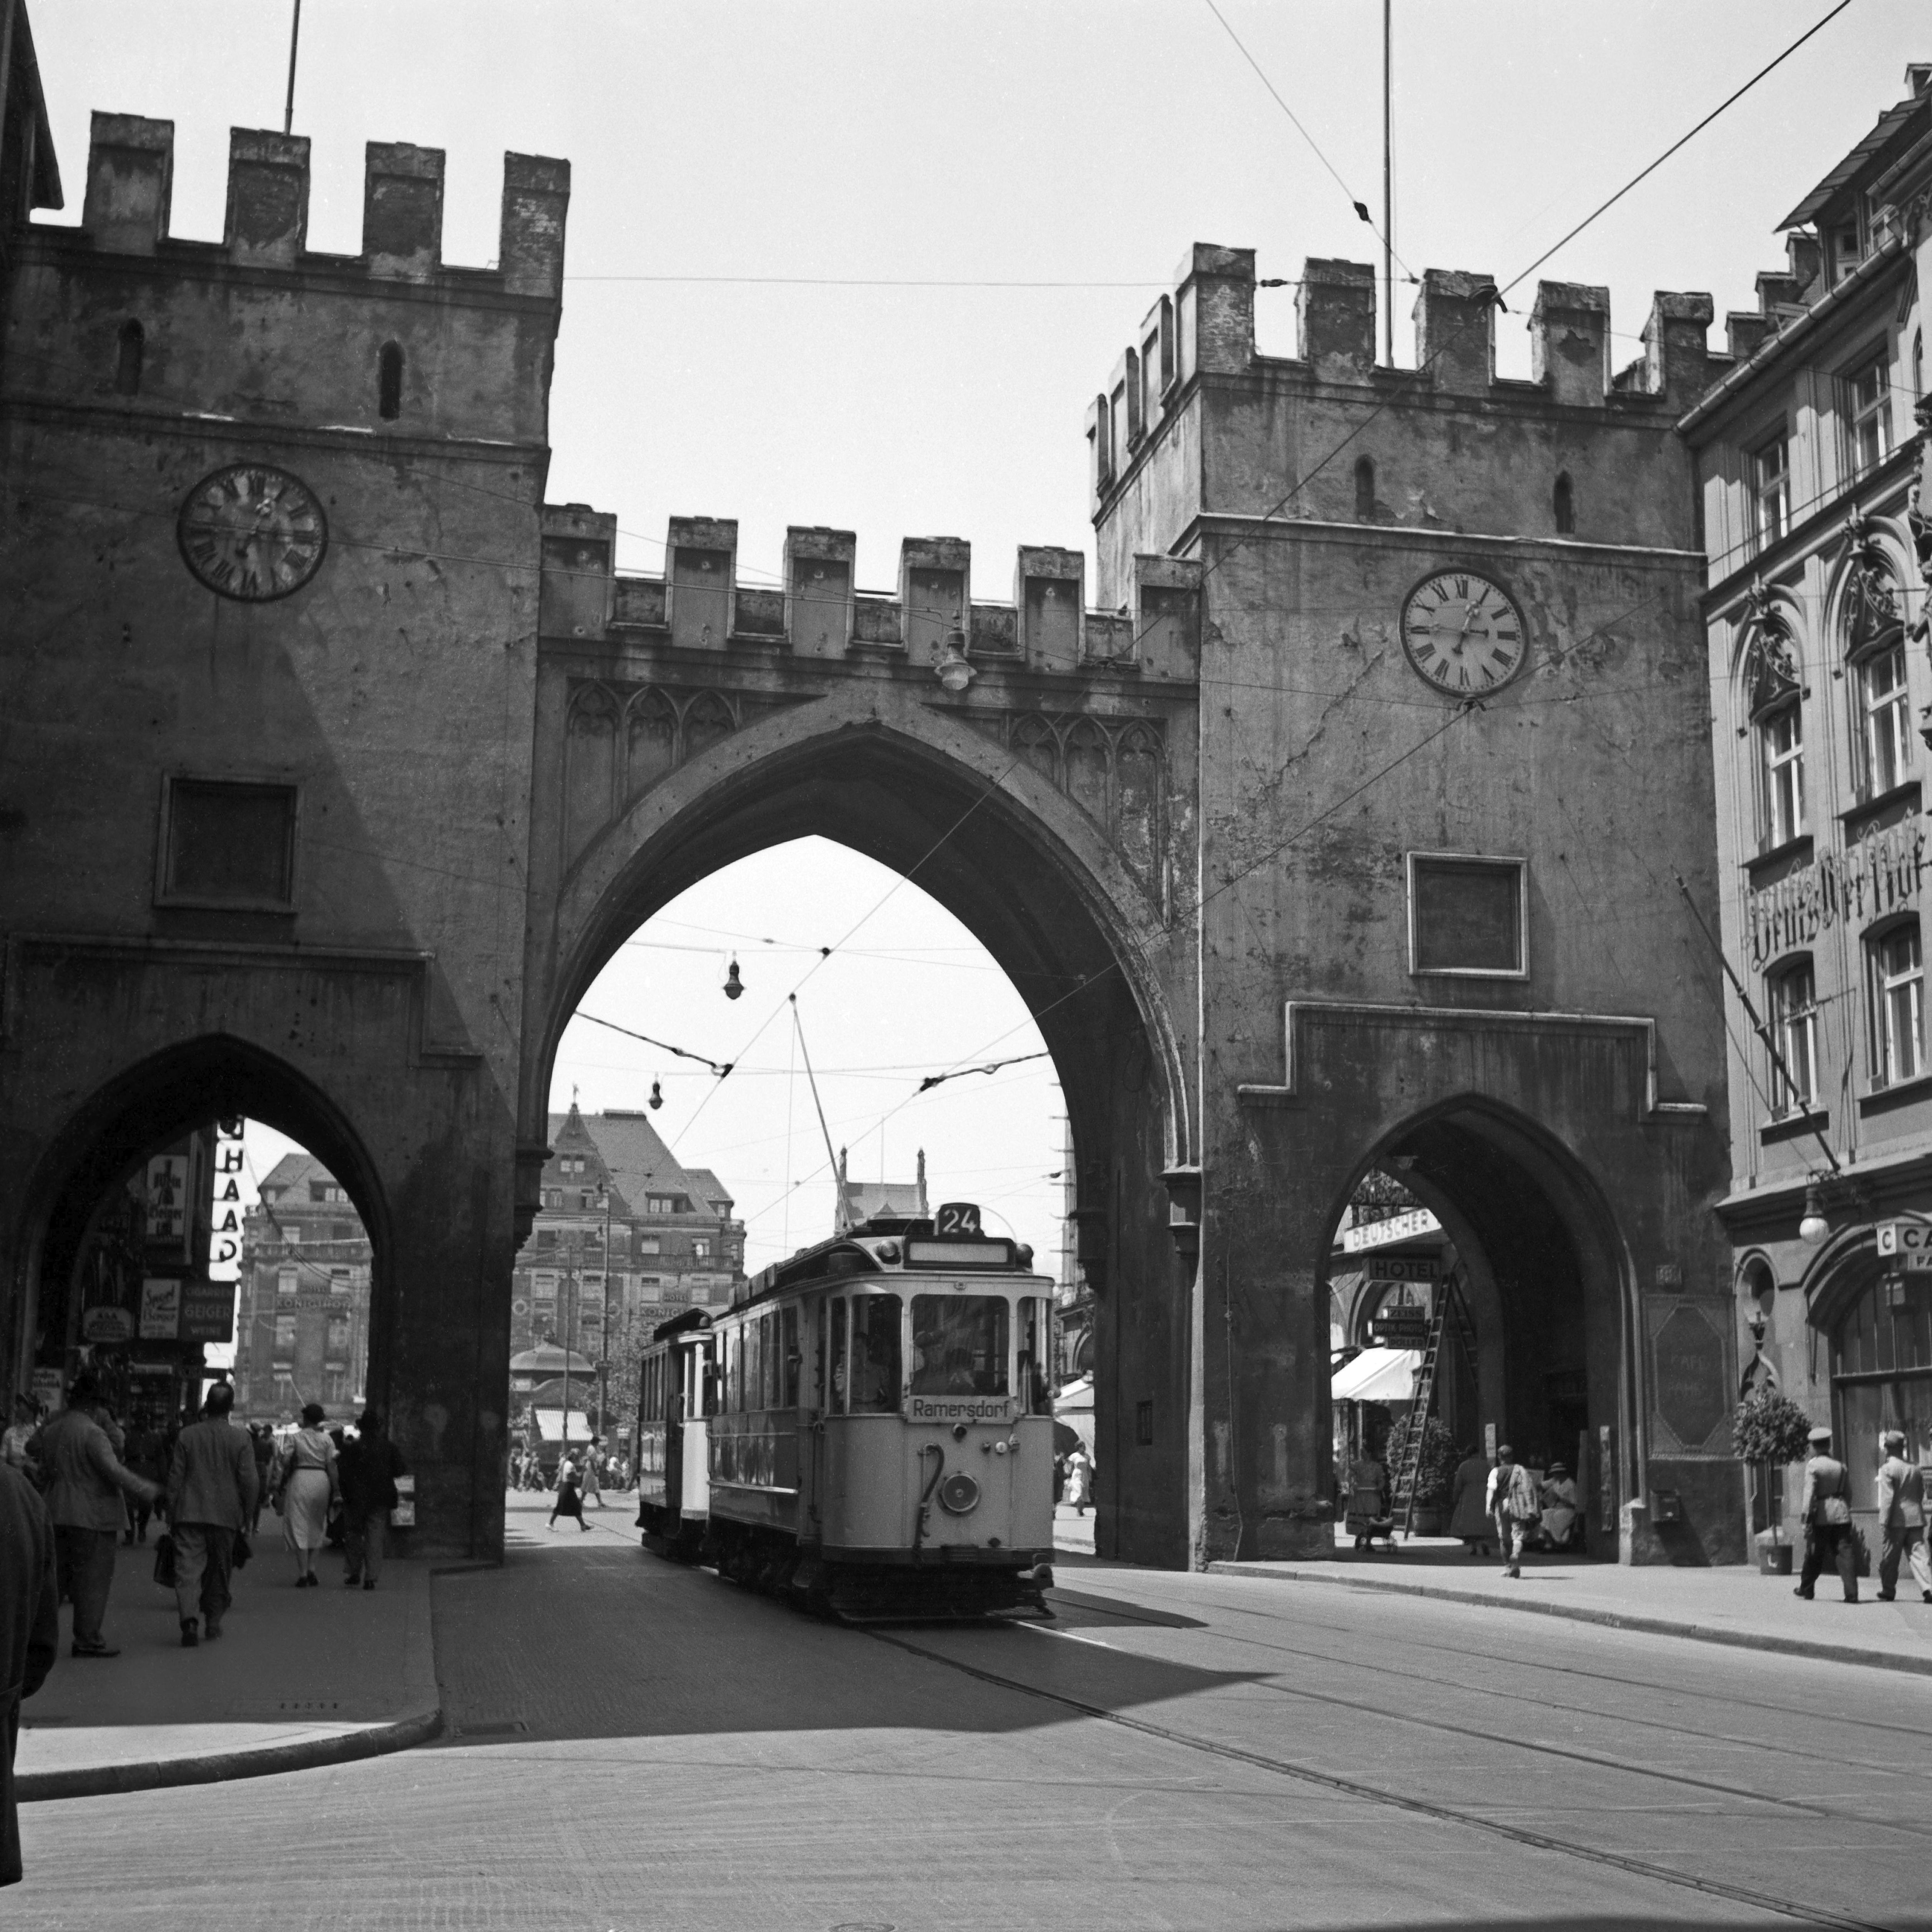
[{"x": 1879, "y": 875}]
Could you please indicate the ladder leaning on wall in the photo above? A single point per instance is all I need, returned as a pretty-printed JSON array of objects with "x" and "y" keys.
[{"x": 1406, "y": 1462}]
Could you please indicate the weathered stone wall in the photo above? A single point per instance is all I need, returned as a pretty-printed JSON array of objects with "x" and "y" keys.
[
  {"x": 395, "y": 690},
  {"x": 1326, "y": 761}
]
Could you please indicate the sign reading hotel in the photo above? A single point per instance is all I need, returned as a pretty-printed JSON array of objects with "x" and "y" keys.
[{"x": 1879, "y": 875}]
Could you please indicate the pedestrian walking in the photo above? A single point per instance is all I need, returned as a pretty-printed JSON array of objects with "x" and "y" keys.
[
  {"x": 1079, "y": 1479},
  {"x": 262, "y": 1443},
  {"x": 85, "y": 1482},
  {"x": 311, "y": 1487},
  {"x": 212, "y": 1495},
  {"x": 1510, "y": 1498},
  {"x": 1468, "y": 1517},
  {"x": 1369, "y": 1515},
  {"x": 593, "y": 1482},
  {"x": 1826, "y": 1513},
  {"x": 145, "y": 1458},
  {"x": 29, "y": 1633},
  {"x": 569, "y": 1498},
  {"x": 1901, "y": 1518},
  {"x": 369, "y": 1469}
]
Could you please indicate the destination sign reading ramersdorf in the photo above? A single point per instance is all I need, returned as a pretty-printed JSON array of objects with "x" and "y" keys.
[
  {"x": 960, "y": 1408},
  {"x": 1878, "y": 875}
]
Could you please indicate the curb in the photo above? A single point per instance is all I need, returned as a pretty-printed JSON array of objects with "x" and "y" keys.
[
  {"x": 107, "y": 1781},
  {"x": 1782, "y": 1646}
]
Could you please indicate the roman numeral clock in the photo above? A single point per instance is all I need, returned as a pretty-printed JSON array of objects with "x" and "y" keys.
[
  {"x": 1463, "y": 633},
  {"x": 252, "y": 533}
]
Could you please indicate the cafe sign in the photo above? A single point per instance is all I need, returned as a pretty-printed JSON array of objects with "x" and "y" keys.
[
  {"x": 1906, "y": 1246},
  {"x": 1879, "y": 875}
]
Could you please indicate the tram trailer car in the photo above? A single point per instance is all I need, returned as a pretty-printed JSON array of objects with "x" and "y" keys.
[
  {"x": 878, "y": 1425},
  {"x": 675, "y": 1376}
]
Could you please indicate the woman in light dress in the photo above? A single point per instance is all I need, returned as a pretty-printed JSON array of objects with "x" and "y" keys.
[{"x": 310, "y": 1486}]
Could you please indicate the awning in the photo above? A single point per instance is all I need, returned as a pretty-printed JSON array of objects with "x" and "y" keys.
[
  {"x": 549, "y": 1421},
  {"x": 1073, "y": 1409},
  {"x": 1378, "y": 1375}
]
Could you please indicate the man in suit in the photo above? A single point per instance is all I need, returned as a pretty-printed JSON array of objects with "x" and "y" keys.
[
  {"x": 212, "y": 1488},
  {"x": 85, "y": 1482},
  {"x": 1826, "y": 1513},
  {"x": 1901, "y": 1518},
  {"x": 29, "y": 1633}
]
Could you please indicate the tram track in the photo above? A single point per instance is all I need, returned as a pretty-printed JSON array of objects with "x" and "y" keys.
[
  {"x": 1809, "y": 1752},
  {"x": 1374, "y": 1794}
]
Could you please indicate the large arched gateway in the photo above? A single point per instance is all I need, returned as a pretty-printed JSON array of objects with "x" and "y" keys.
[{"x": 1353, "y": 824}]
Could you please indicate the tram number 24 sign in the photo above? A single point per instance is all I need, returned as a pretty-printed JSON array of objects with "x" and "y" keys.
[{"x": 1907, "y": 1246}]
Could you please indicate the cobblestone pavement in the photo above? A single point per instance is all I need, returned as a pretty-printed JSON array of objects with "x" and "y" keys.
[{"x": 632, "y": 1744}]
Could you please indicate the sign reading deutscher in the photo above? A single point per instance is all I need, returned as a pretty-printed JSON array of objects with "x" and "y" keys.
[{"x": 1878, "y": 875}]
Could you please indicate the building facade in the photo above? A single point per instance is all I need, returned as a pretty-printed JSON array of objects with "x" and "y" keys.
[
  {"x": 1810, "y": 456},
  {"x": 302, "y": 1331},
  {"x": 625, "y": 1238}
]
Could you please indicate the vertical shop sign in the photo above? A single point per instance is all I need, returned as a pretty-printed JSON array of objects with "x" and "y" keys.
[
  {"x": 167, "y": 1201},
  {"x": 224, "y": 1219}
]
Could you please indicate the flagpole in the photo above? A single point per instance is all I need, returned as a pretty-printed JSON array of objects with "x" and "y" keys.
[
  {"x": 1388, "y": 184},
  {"x": 295, "y": 39}
]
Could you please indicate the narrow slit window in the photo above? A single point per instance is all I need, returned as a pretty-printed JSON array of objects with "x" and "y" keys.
[
  {"x": 1365, "y": 490},
  {"x": 133, "y": 348},
  {"x": 389, "y": 381},
  {"x": 1566, "y": 506}
]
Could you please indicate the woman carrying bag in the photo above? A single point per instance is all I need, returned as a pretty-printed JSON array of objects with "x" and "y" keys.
[{"x": 310, "y": 1488}]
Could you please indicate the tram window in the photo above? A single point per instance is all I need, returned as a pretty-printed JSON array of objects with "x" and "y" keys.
[
  {"x": 734, "y": 1369},
  {"x": 788, "y": 1345},
  {"x": 836, "y": 1358},
  {"x": 1036, "y": 1330},
  {"x": 875, "y": 1354},
  {"x": 754, "y": 1364},
  {"x": 768, "y": 1358},
  {"x": 959, "y": 1344}
]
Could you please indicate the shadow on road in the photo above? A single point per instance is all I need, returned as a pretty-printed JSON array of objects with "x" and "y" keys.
[{"x": 603, "y": 1642}]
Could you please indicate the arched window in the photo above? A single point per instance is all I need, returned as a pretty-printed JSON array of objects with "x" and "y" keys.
[
  {"x": 1566, "y": 506},
  {"x": 1895, "y": 990},
  {"x": 1365, "y": 490},
  {"x": 389, "y": 381},
  {"x": 1882, "y": 1368},
  {"x": 1794, "y": 1030},
  {"x": 133, "y": 344},
  {"x": 1874, "y": 633}
]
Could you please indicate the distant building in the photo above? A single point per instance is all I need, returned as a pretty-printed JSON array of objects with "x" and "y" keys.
[
  {"x": 301, "y": 1331},
  {"x": 860, "y": 1200},
  {"x": 673, "y": 1243}
]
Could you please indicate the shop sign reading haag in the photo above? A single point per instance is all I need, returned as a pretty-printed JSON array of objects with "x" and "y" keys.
[
  {"x": 1878, "y": 875},
  {"x": 1907, "y": 1246}
]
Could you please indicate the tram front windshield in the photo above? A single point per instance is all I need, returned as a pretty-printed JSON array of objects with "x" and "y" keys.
[
  {"x": 875, "y": 1354},
  {"x": 959, "y": 1344}
]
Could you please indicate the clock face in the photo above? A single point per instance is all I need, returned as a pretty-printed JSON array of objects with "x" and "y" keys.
[
  {"x": 252, "y": 533},
  {"x": 1463, "y": 634}
]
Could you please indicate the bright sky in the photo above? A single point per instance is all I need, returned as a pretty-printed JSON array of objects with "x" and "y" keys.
[{"x": 735, "y": 167}]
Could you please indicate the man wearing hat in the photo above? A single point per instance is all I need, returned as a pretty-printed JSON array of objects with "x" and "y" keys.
[
  {"x": 1512, "y": 1501},
  {"x": 1826, "y": 1513},
  {"x": 1901, "y": 1518}
]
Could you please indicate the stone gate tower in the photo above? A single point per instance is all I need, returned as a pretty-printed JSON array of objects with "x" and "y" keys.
[{"x": 1455, "y": 802}]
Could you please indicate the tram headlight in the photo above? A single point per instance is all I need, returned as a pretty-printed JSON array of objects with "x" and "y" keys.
[{"x": 959, "y": 1494}]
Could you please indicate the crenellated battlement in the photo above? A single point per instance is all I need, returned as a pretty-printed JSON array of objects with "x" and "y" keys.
[
  {"x": 259, "y": 329},
  {"x": 1205, "y": 328},
  {"x": 129, "y": 186},
  {"x": 698, "y": 604}
]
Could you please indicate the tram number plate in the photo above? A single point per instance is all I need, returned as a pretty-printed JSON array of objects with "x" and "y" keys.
[{"x": 956, "y": 1217}]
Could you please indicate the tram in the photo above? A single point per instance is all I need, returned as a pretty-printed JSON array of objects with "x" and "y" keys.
[
  {"x": 874, "y": 1423},
  {"x": 675, "y": 1384}
]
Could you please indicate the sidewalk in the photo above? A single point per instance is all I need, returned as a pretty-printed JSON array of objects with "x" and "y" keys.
[
  {"x": 1733, "y": 1605},
  {"x": 299, "y": 1677}
]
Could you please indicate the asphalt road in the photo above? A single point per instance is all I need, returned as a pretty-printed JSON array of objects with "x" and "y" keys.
[{"x": 635, "y": 1745}]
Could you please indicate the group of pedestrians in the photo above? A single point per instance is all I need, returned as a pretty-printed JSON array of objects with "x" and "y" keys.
[{"x": 1831, "y": 1541}]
